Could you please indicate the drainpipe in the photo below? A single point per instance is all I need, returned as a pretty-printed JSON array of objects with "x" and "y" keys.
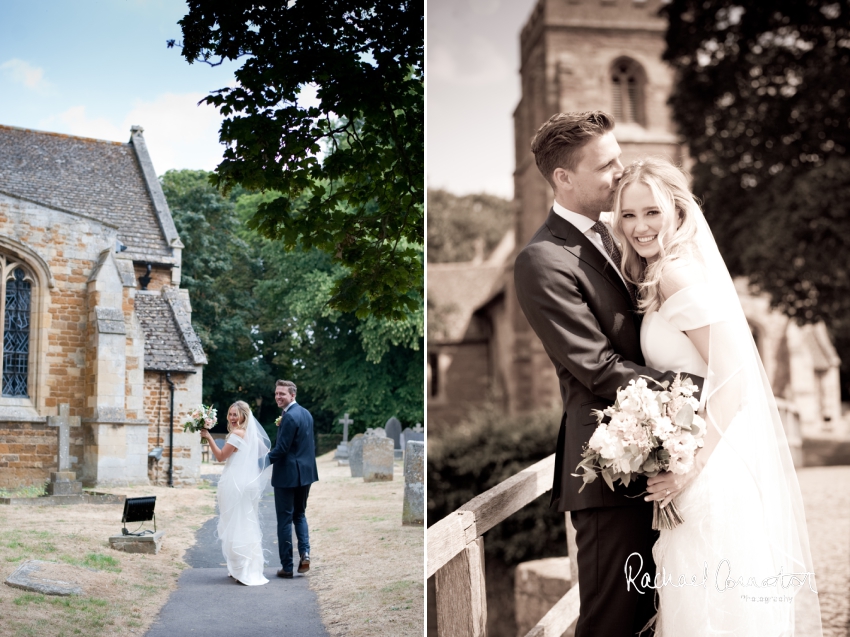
[{"x": 170, "y": 430}]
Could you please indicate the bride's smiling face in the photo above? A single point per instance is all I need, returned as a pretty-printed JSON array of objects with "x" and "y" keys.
[
  {"x": 642, "y": 220},
  {"x": 233, "y": 418}
]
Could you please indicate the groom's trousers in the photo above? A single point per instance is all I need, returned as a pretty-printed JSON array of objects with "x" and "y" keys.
[
  {"x": 606, "y": 537},
  {"x": 290, "y": 504}
]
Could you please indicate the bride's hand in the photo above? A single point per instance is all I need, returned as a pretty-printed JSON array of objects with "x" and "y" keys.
[{"x": 666, "y": 486}]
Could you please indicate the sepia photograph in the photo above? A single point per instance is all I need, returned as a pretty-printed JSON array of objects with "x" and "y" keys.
[{"x": 638, "y": 358}]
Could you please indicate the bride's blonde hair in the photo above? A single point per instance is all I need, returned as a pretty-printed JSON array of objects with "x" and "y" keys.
[
  {"x": 669, "y": 187},
  {"x": 244, "y": 412}
]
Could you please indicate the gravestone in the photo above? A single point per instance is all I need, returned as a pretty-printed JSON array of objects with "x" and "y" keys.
[
  {"x": 377, "y": 456},
  {"x": 393, "y": 429},
  {"x": 64, "y": 481},
  {"x": 30, "y": 576},
  {"x": 341, "y": 454},
  {"x": 417, "y": 434},
  {"x": 413, "y": 511},
  {"x": 355, "y": 456}
]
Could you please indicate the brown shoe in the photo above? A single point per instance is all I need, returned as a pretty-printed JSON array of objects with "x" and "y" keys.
[
  {"x": 286, "y": 574},
  {"x": 304, "y": 565}
]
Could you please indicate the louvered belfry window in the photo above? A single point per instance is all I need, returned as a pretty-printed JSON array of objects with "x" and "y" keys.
[
  {"x": 627, "y": 86},
  {"x": 17, "y": 303}
]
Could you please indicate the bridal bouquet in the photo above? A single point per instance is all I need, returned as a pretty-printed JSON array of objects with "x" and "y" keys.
[
  {"x": 202, "y": 417},
  {"x": 646, "y": 432}
]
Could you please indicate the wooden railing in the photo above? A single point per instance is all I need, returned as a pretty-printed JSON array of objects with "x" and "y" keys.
[{"x": 456, "y": 557}]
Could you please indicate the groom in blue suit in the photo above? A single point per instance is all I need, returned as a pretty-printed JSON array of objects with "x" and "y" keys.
[{"x": 294, "y": 470}]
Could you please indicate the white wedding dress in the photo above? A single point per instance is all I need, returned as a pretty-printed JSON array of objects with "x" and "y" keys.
[
  {"x": 741, "y": 513},
  {"x": 242, "y": 483}
]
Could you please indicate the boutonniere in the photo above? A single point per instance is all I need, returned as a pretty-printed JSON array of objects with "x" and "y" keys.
[{"x": 277, "y": 421}]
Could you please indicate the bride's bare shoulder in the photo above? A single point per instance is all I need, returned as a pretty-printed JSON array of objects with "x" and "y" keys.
[
  {"x": 238, "y": 432},
  {"x": 680, "y": 273}
]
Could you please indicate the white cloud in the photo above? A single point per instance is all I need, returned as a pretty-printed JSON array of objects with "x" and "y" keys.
[
  {"x": 475, "y": 61},
  {"x": 74, "y": 121},
  {"x": 307, "y": 96},
  {"x": 25, "y": 73},
  {"x": 179, "y": 132},
  {"x": 484, "y": 7}
]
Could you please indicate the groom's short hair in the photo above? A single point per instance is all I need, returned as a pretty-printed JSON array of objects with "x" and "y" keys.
[
  {"x": 290, "y": 386},
  {"x": 558, "y": 143}
]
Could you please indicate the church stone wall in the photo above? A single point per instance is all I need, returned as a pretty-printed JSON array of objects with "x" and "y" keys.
[
  {"x": 187, "y": 446},
  {"x": 160, "y": 276},
  {"x": 71, "y": 245}
]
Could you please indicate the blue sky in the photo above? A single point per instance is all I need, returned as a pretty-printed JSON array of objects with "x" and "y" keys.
[{"x": 93, "y": 68}]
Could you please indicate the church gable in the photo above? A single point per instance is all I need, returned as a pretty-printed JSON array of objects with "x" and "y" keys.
[{"x": 93, "y": 178}]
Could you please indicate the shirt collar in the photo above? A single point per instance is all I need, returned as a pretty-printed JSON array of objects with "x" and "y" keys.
[
  {"x": 285, "y": 409},
  {"x": 584, "y": 224}
]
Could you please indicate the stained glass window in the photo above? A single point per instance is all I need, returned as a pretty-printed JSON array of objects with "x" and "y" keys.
[{"x": 16, "y": 334}]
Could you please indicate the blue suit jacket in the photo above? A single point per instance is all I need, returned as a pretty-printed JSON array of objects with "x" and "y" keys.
[{"x": 294, "y": 453}]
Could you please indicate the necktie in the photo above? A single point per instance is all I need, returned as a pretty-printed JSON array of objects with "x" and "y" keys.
[
  {"x": 608, "y": 241},
  {"x": 614, "y": 252}
]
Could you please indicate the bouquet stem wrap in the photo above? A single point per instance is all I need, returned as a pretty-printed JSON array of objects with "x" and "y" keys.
[{"x": 665, "y": 518}]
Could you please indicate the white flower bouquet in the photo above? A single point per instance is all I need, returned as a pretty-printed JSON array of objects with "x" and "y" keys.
[
  {"x": 202, "y": 417},
  {"x": 646, "y": 432}
]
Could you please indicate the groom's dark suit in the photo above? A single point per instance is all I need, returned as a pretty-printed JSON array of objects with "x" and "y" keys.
[
  {"x": 294, "y": 470},
  {"x": 582, "y": 312}
]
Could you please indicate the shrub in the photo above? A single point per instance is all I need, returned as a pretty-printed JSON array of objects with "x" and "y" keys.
[{"x": 486, "y": 449}]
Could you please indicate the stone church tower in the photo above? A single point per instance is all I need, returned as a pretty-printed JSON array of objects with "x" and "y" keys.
[{"x": 581, "y": 55}]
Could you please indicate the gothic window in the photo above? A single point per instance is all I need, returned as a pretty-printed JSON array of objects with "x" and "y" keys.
[
  {"x": 16, "y": 310},
  {"x": 627, "y": 83}
]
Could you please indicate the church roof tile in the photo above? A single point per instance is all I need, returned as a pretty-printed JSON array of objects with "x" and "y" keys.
[
  {"x": 170, "y": 342},
  {"x": 90, "y": 177}
]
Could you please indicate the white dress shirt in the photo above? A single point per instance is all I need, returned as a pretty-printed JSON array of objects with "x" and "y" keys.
[{"x": 585, "y": 226}]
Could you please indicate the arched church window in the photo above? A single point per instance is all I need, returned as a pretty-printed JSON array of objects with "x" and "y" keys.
[
  {"x": 627, "y": 82},
  {"x": 16, "y": 315}
]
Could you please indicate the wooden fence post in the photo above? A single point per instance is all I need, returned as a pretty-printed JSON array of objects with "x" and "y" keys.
[{"x": 462, "y": 595}]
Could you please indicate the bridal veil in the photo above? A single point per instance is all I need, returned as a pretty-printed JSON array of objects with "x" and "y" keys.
[{"x": 245, "y": 478}]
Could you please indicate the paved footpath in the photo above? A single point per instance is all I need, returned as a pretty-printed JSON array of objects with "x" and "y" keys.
[
  {"x": 826, "y": 496},
  {"x": 208, "y": 603}
]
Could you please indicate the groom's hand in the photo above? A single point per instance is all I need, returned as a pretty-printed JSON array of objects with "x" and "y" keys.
[{"x": 666, "y": 486}]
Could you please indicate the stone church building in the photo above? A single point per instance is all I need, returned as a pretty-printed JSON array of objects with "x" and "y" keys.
[
  {"x": 584, "y": 55},
  {"x": 92, "y": 314}
]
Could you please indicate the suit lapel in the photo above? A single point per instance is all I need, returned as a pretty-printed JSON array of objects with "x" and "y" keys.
[{"x": 583, "y": 249}]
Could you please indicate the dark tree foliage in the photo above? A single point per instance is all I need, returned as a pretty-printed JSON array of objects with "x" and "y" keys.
[
  {"x": 219, "y": 269},
  {"x": 459, "y": 228},
  {"x": 350, "y": 171},
  {"x": 762, "y": 99},
  {"x": 262, "y": 313},
  {"x": 486, "y": 449}
]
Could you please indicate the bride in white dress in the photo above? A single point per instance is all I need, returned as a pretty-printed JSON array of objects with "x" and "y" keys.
[
  {"x": 243, "y": 481},
  {"x": 727, "y": 569}
]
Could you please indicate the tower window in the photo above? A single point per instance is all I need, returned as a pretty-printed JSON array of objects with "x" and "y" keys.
[{"x": 627, "y": 83}]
